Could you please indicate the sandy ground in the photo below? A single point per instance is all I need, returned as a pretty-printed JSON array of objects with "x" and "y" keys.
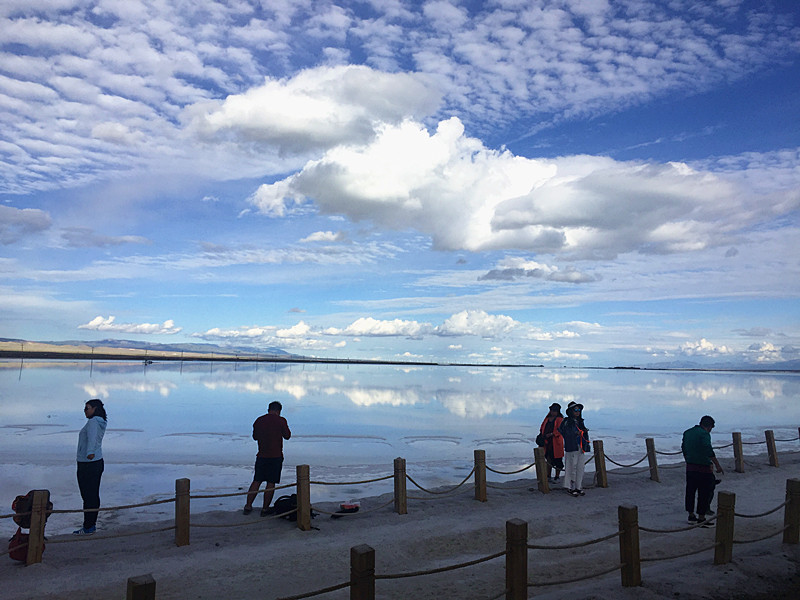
[{"x": 271, "y": 558}]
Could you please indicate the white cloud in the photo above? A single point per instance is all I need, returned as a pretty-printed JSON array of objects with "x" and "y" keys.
[
  {"x": 477, "y": 323},
  {"x": 703, "y": 348},
  {"x": 367, "y": 326},
  {"x": 299, "y": 330},
  {"x": 512, "y": 268},
  {"x": 325, "y": 236},
  {"x": 558, "y": 355},
  {"x": 84, "y": 237},
  {"x": 316, "y": 109},
  {"x": 468, "y": 197},
  {"x": 100, "y": 323}
]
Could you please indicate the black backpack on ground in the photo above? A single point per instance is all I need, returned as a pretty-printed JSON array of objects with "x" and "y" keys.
[{"x": 284, "y": 504}]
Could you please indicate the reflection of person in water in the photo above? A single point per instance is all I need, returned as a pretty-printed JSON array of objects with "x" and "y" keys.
[{"x": 553, "y": 441}]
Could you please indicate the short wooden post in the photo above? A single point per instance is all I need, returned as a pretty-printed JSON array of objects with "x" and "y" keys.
[
  {"x": 516, "y": 559},
  {"x": 142, "y": 587},
  {"x": 541, "y": 470},
  {"x": 303, "y": 498},
  {"x": 38, "y": 518},
  {"x": 362, "y": 573},
  {"x": 738, "y": 454},
  {"x": 182, "y": 512},
  {"x": 400, "y": 495},
  {"x": 631, "y": 569},
  {"x": 651, "y": 459},
  {"x": 723, "y": 553},
  {"x": 600, "y": 474},
  {"x": 791, "y": 514},
  {"x": 480, "y": 475},
  {"x": 771, "y": 450}
]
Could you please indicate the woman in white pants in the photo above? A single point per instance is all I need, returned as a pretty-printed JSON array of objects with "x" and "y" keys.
[{"x": 576, "y": 443}]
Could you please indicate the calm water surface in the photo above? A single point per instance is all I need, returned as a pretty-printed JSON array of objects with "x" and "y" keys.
[{"x": 195, "y": 419}]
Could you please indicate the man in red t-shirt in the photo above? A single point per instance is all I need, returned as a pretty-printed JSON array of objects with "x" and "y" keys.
[{"x": 269, "y": 431}]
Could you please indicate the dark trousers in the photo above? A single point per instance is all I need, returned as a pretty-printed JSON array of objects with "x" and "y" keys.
[
  {"x": 701, "y": 484},
  {"x": 89, "y": 474}
]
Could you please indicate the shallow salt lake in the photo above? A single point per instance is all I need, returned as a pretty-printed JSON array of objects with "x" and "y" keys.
[{"x": 348, "y": 422}]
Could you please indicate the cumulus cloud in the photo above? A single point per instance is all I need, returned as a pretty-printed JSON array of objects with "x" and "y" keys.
[
  {"x": 101, "y": 323},
  {"x": 469, "y": 197},
  {"x": 84, "y": 237},
  {"x": 16, "y": 223},
  {"x": 513, "y": 268},
  {"x": 325, "y": 236},
  {"x": 367, "y": 326},
  {"x": 558, "y": 355},
  {"x": 477, "y": 323},
  {"x": 703, "y": 348},
  {"x": 316, "y": 109}
]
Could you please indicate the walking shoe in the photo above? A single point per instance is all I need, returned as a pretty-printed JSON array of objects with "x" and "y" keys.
[
  {"x": 709, "y": 513},
  {"x": 265, "y": 512},
  {"x": 84, "y": 531},
  {"x": 247, "y": 510},
  {"x": 692, "y": 518},
  {"x": 581, "y": 492},
  {"x": 701, "y": 521},
  {"x": 574, "y": 493},
  {"x": 555, "y": 479}
]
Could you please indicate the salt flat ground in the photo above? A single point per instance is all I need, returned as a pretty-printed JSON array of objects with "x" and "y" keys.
[{"x": 271, "y": 558}]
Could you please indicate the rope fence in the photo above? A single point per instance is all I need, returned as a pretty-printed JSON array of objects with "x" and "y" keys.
[{"x": 182, "y": 498}]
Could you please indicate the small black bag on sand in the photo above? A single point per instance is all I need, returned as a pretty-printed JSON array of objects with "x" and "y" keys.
[{"x": 284, "y": 504}]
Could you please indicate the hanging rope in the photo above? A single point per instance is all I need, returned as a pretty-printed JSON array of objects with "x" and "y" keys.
[
  {"x": 577, "y": 579},
  {"x": 411, "y": 479},
  {"x": 576, "y": 545},
  {"x": 333, "y": 588},
  {"x": 462, "y": 565},
  {"x": 611, "y": 460},
  {"x": 683, "y": 554},
  {"x": 488, "y": 468},
  {"x": 764, "y": 514}
]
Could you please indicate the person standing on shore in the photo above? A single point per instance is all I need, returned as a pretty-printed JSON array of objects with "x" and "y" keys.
[
  {"x": 553, "y": 441},
  {"x": 269, "y": 431},
  {"x": 699, "y": 455},
  {"x": 576, "y": 442},
  {"x": 90, "y": 462}
]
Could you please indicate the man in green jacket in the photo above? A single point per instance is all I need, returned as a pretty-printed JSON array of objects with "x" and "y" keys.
[{"x": 699, "y": 455}]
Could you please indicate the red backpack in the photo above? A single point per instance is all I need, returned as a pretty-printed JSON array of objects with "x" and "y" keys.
[{"x": 22, "y": 506}]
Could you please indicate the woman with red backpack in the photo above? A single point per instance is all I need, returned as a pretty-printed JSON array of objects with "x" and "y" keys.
[{"x": 576, "y": 442}]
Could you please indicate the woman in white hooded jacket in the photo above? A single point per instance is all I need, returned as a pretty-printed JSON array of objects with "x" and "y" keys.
[{"x": 90, "y": 462}]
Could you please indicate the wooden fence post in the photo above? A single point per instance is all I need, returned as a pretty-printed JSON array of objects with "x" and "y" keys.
[
  {"x": 182, "y": 512},
  {"x": 738, "y": 454},
  {"x": 651, "y": 458},
  {"x": 541, "y": 470},
  {"x": 480, "y": 475},
  {"x": 631, "y": 569},
  {"x": 142, "y": 587},
  {"x": 303, "y": 498},
  {"x": 600, "y": 474},
  {"x": 723, "y": 553},
  {"x": 516, "y": 559},
  {"x": 400, "y": 495},
  {"x": 362, "y": 573},
  {"x": 771, "y": 450},
  {"x": 38, "y": 518},
  {"x": 791, "y": 514}
]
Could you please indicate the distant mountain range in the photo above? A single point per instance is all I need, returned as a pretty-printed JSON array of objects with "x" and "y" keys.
[
  {"x": 140, "y": 345},
  {"x": 786, "y": 365}
]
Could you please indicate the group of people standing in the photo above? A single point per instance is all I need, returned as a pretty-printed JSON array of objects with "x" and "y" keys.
[{"x": 565, "y": 440}]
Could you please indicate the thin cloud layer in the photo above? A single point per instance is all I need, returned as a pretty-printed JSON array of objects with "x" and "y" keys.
[{"x": 16, "y": 223}]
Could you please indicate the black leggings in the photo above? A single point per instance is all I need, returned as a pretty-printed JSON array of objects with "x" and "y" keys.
[{"x": 89, "y": 474}]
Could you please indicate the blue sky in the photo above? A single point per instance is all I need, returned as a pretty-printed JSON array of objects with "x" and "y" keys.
[{"x": 555, "y": 182}]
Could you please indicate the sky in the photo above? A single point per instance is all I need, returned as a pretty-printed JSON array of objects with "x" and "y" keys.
[{"x": 557, "y": 182}]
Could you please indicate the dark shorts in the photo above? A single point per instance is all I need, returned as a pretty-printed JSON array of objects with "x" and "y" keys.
[{"x": 268, "y": 469}]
